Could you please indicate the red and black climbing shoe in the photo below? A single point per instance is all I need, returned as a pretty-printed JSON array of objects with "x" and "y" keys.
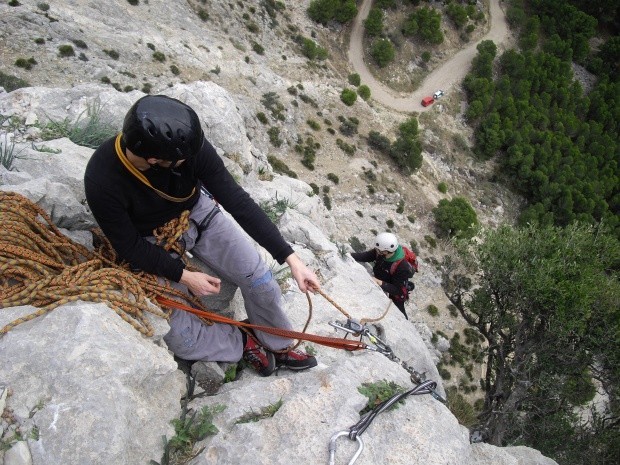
[
  {"x": 295, "y": 360},
  {"x": 263, "y": 361}
]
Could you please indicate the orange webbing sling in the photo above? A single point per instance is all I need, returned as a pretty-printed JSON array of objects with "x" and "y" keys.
[{"x": 336, "y": 343}]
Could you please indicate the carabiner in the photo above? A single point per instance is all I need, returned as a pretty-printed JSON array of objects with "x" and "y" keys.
[{"x": 332, "y": 447}]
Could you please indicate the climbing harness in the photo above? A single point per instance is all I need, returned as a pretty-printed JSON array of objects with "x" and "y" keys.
[{"x": 355, "y": 431}]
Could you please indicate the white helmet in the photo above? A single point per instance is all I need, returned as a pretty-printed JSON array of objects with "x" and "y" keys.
[{"x": 386, "y": 242}]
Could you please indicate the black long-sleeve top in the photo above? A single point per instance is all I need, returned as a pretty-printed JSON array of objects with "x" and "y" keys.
[
  {"x": 392, "y": 283},
  {"x": 128, "y": 210}
]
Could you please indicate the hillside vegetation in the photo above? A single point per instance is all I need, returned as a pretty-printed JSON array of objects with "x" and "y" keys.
[{"x": 541, "y": 296}]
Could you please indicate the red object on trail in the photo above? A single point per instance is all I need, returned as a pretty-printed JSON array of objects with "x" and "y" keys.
[{"x": 426, "y": 101}]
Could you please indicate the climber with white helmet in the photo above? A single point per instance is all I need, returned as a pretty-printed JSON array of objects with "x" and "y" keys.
[{"x": 393, "y": 266}]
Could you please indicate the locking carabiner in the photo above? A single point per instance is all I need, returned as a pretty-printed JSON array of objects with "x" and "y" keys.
[{"x": 332, "y": 447}]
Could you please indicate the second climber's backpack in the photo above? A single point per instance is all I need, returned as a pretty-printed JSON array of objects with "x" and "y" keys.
[
  {"x": 412, "y": 261},
  {"x": 411, "y": 258}
]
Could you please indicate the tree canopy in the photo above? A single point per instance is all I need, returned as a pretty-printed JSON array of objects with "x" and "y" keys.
[
  {"x": 323, "y": 11},
  {"x": 545, "y": 299},
  {"x": 558, "y": 147}
]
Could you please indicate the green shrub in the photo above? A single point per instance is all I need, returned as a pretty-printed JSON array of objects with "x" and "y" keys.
[
  {"x": 274, "y": 136},
  {"x": 262, "y": 117},
  {"x": 65, "y": 51},
  {"x": 25, "y": 63},
  {"x": 348, "y": 127},
  {"x": 79, "y": 43},
  {"x": 90, "y": 131},
  {"x": 275, "y": 208},
  {"x": 454, "y": 312},
  {"x": 327, "y": 201},
  {"x": 115, "y": 55},
  {"x": 311, "y": 50},
  {"x": 43, "y": 6},
  {"x": 10, "y": 83},
  {"x": 445, "y": 374},
  {"x": 252, "y": 27},
  {"x": 379, "y": 392},
  {"x": 383, "y": 52},
  {"x": 265, "y": 412},
  {"x": 430, "y": 240},
  {"x": 158, "y": 56},
  {"x": 280, "y": 167},
  {"x": 401, "y": 206},
  {"x": 442, "y": 187},
  {"x": 364, "y": 91},
  {"x": 333, "y": 178},
  {"x": 373, "y": 25},
  {"x": 460, "y": 408},
  {"x": 432, "y": 310},
  {"x": 349, "y": 149},
  {"x": 315, "y": 188},
  {"x": 258, "y": 48},
  {"x": 174, "y": 69},
  {"x": 354, "y": 79},
  {"x": 313, "y": 124},
  {"x": 378, "y": 142},
  {"x": 389, "y": 223},
  {"x": 7, "y": 152},
  {"x": 356, "y": 244},
  {"x": 456, "y": 217},
  {"x": 39, "y": 41},
  {"x": 348, "y": 96},
  {"x": 203, "y": 14},
  {"x": 193, "y": 428}
]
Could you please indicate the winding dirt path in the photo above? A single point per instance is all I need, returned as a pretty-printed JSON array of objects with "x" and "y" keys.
[{"x": 444, "y": 77}]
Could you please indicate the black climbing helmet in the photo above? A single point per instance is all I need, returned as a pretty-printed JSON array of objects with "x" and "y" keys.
[{"x": 161, "y": 127}]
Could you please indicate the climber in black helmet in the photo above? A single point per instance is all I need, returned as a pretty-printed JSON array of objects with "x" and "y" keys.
[{"x": 161, "y": 165}]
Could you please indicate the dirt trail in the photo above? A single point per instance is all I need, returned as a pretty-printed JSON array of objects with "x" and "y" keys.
[{"x": 446, "y": 76}]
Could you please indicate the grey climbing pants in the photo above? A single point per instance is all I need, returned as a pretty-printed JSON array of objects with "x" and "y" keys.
[{"x": 222, "y": 245}]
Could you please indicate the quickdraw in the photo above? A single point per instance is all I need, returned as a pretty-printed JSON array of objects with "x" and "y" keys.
[
  {"x": 355, "y": 431},
  {"x": 361, "y": 330}
]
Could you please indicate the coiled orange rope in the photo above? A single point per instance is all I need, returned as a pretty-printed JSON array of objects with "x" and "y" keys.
[{"x": 40, "y": 266}]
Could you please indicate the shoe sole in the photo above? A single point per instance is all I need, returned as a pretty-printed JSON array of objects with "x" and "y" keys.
[{"x": 296, "y": 368}]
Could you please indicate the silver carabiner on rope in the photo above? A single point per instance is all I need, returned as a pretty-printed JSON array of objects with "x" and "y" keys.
[{"x": 332, "y": 447}]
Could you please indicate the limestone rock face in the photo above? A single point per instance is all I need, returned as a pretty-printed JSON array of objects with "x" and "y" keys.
[{"x": 87, "y": 388}]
